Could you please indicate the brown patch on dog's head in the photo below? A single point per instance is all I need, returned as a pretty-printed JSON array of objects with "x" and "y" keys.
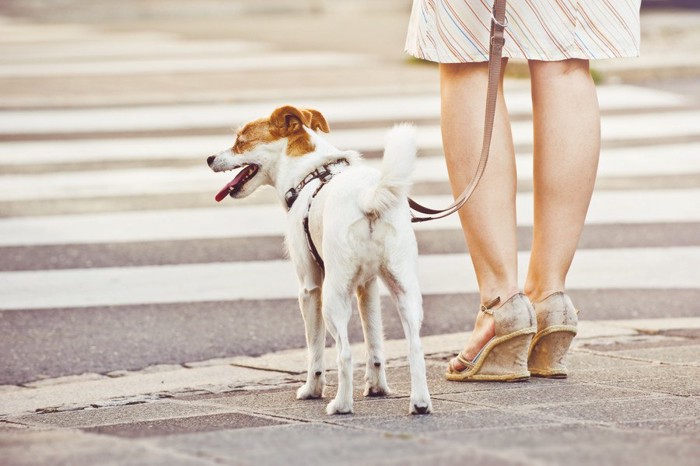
[
  {"x": 254, "y": 133},
  {"x": 289, "y": 122}
]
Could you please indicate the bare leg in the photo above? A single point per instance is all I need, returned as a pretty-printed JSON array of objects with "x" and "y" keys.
[
  {"x": 567, "y": 147},
  {"x": 488, "y": 219}
]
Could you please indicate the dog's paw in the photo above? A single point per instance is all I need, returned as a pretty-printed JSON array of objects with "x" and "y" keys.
[
  {"x": 420, "y": 406},
  {"x": 310, "y": 392},
  {"x": 372, "y": 390},
  {"x": 339, "y": 407}
]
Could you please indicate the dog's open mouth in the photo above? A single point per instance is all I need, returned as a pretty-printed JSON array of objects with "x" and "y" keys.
[{"x": 243, "y": 176}]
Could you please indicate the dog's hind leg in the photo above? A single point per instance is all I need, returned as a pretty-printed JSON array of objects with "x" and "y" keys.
[
  {"x": 310, "y": 304},
  {"x": 336, "y": 313},
  {"x": 371, "y": 315},
  {"x": 404, "y": 287}
]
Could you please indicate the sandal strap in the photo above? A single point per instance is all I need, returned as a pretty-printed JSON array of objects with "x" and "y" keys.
[
  {"x": 488, "y": 307},
  {"x": 465, "y": 362}
]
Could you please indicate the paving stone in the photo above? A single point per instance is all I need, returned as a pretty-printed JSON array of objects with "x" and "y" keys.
[
  {"x": 631, "y": 370},
  {"x": 689, "y": 426},
  {"x": 542, "y": 394},
  {"x": 480, "y": 418},
  {"x": 633, "y": 342},
  {"x": 314, "y": 444},
  {"x": 76, "y": 449},
  {"x": 577, "y": 361},
  {"x": 437, "y": 384},
  {"x": 579, "y": 444},
  {"x": 674, "y": 380},
  {"x": 120, "y": 414},
  {"x": 626, "y": 410},
  {"x": 69, "y": 396},
  {"x": 689, "y": 354},
  {"x": 365, "y": 408},
  {"x": 452, "y": 456},
  {"x": 691, "y": 333},
  {"x": 11, "y": 426},
  {"x": 182, "y": 425},
  {"x": 66, "y": 379}
]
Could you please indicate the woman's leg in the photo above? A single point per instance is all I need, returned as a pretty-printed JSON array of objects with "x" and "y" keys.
[
  {"x": 566, "y": 122},
  {"x": 488, "y": 219}
]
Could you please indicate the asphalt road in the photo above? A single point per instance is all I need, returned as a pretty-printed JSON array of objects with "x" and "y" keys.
[{"x": 73, "y": 220}]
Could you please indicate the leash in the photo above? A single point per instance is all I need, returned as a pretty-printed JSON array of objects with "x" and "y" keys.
[{"x": 497, "y": 40}]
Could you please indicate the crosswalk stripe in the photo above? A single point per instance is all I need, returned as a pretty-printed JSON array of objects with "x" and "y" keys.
[
  {"x": 642, "y": 128},
  {"x": 232, "y": 221},
  {"x": 196, "y": 148},
  {"x": 336, "y": 111},
  {"x": 127, "y": 48},
  {"x": 673, "y": 160},
  {"x": 439, "y": 274},
  {"x": 204, "y": 65}
]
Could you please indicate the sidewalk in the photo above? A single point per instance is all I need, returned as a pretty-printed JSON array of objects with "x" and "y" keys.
[{"x": 631, "y": 398}]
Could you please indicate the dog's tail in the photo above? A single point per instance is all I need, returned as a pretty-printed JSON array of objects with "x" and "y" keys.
[{"x": 397, "y": 167}]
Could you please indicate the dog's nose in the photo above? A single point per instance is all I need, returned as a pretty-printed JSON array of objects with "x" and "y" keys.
[{"x": 210, "y": 159}]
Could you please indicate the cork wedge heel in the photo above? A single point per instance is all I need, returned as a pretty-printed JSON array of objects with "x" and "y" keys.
[
  {"x": 504, "y": 357},
  {"x": 557, "y": 323}
]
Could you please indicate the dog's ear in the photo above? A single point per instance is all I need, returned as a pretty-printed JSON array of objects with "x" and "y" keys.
[
  {"x": 288, "y": 119},
  {"x": 316, "y": 120}
]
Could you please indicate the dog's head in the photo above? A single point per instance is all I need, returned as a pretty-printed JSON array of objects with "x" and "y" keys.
[{"x": 261, "y": 143}]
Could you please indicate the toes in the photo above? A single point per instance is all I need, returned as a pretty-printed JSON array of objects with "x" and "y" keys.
[{"x": 455, "y": 366}]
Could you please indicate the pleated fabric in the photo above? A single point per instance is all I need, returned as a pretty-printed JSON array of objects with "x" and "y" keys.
[{"x": 457, "y": 31}]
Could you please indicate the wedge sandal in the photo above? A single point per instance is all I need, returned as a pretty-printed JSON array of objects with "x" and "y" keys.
[
  {"x": 557, "y": 323},
  {"x": 504, "y": 357}
]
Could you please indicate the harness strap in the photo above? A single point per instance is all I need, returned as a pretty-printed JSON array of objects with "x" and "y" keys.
[
  {"x": 309, "y": 240},
  {"x": 322, "y": 173}
]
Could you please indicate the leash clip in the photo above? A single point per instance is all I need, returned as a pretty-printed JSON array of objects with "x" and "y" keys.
[{"x": 501, "y": 25}]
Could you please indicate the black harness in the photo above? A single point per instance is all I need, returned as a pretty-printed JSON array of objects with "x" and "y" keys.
[{"x": 324, "y": 175}]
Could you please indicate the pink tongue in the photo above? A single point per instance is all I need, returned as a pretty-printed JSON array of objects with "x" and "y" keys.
[
  {"x": 227, "y": 189},
  {"x": 224, "y": 192}
]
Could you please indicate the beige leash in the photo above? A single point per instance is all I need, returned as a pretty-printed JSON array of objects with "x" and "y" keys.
[{"x": 498, "y": 25}]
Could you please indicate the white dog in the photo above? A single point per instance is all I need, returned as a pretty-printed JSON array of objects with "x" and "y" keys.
[{"x": 340, "y": 238}]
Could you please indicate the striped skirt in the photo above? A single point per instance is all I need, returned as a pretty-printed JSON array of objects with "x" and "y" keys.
[{"x": 457, "y": 31}]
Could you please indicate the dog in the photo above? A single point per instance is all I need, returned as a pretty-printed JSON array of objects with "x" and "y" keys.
[{"x": 348, "y": 226}]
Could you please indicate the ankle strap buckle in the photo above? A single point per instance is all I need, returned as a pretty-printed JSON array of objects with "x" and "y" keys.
[{"x": 488, "y": 307}]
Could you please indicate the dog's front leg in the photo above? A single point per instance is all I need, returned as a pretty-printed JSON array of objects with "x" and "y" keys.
[
  {"x": 310, "y": 304},
  {"x": 336, "y": 312}
]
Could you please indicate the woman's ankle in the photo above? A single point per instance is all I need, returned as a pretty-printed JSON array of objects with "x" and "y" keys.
[
  {"x": 497, "y": 297},
  {"x": 535, "y": 295}
]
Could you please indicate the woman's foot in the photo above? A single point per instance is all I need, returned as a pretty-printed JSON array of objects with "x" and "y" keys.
[
  {"x": 484, "y": 330},
  {"x": 498, "y": 348}
]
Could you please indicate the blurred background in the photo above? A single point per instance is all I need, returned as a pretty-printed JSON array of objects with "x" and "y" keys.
[{"x": 114, "y": 255}]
